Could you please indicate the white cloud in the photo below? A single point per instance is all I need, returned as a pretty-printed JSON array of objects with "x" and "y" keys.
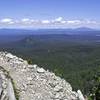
[
  {"x": 63, "y": 21},
  {"x": 85, "y": 21},
  {"x": 90, "y": 21},
  {"x": 45, "y": 22},
  {"x": 7, "y": 21},
  {"x": 57, "y": 22},
  {"x": 59, "y": 19},
  {"x": 74, "y": 22},
  {"x": 25, "y": 19}
]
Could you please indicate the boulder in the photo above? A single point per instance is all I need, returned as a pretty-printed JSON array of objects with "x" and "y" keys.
[
  {"x": 40, "y": 70},
  {"x": 9, "y": 55}
]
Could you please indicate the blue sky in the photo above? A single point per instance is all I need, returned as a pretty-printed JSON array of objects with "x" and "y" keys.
[{"x": 49, "y": 13}]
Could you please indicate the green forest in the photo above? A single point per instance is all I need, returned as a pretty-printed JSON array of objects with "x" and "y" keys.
[{"x": 75, "y": 60}]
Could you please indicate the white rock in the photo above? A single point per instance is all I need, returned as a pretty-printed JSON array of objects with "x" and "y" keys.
[
  {"x": 1, "y": 58},
  {"x": 1, "y": 90},
  {"x": 40, "y": 70},
  {"x": 80, "y": 95},
  {"x": 58, "y": 88},
  {"x": 9, "y": 55},
  {"x": 57, "y": 96},
  {"x": 29, "y": 78},
  {"x": 25, "y": 86},
  {"x": 33, "y": 82},
  {"x": 3, "y": 76},
  {"x": 35, "y": 66},
  {"x": 23, "y": 70},
  {"x": 17, "y": 62},
  {"x": 11, "y": 91},
  {"x": 32, "y": 66},
  {"x": 20, "y": 59},
  {"x": 24, "y": 66}
]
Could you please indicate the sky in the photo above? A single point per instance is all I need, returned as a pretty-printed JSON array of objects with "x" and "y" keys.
[{"x": 49, "y": 13}]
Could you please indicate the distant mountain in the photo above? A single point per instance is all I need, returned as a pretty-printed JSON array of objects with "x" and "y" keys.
[
  {"x": 72, "y": 29},
  {"x": 5, "y": 31},
  {"x": 80, "y": 30},
  {"x": 85, "y": 29}
]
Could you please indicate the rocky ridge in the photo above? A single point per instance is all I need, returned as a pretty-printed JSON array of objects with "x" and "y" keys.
[{"x": 21, "y": 81}]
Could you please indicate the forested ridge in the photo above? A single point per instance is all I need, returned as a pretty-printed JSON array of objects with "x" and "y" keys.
[{"x": 74, "y": 58}]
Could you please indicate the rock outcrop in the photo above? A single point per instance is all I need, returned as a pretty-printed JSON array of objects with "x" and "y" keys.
[
  {"x": 21, "y": 81},
  {"x": 6, "y": 86}
]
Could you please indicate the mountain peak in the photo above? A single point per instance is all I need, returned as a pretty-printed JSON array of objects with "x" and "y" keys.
[
  {"x": 85, "y": 29},
  {"x": 32, "y": 82}
]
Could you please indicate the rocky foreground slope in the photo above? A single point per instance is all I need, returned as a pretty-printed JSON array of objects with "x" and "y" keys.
[{"x": 21, "y": 81}]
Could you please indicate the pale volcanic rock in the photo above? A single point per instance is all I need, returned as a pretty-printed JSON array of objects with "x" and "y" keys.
[{"x": 32, "y": 82}]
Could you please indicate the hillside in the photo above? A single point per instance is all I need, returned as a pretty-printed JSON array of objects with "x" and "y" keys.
[
  {"x": 74, "y": 56},
  {"x": 30, "y": 82}
]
